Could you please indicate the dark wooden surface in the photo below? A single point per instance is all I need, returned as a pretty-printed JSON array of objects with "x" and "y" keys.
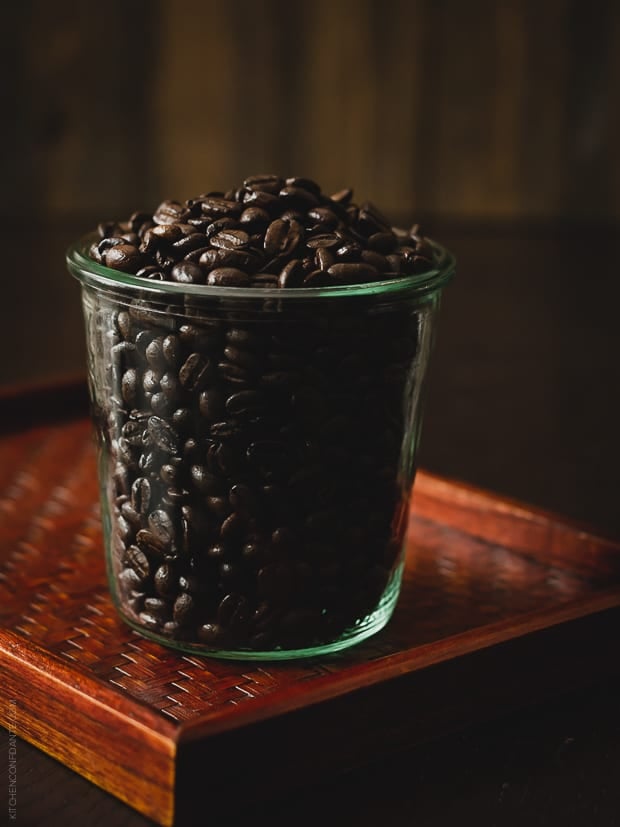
[{"x": 523, "y": 398}]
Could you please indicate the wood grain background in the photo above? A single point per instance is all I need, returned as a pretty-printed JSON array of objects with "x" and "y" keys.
[{"x": 478, "y": 109}]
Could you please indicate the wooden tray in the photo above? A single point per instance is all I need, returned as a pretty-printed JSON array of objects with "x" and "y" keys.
[{"x": 501, "y": 604}]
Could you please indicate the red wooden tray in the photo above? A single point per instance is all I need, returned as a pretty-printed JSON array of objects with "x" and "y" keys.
[{"x": 501, "y": 603}]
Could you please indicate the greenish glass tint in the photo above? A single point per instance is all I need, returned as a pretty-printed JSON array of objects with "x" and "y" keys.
[{"x": 256, "y": 454}]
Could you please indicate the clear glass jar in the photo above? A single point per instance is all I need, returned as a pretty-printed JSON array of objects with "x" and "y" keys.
[{"x": 256, "y": 454}]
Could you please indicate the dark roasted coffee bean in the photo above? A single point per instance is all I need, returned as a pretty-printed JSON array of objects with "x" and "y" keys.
[
  {"x": 220, "y": 207},
  {"x": 382, "y": 242},
  {"x": 219, "y": 506},
  {"x": 170, "y": 212},
  {"x": 233, "y": 611},
  {"x": 161, "y": 526},
  {"x": 291, "y": 274},
  {"x": 244, "y": 402},
  {"x": 244, "y": 358},
  {"x": 211, "y": 404},
  {"x": 224, "y": 430},
  {"x": 158, "y": 608},
  {"x": 376, "y": 260},
  {"x": 181, "y": 420},
  {"x": 217, "y": 552},
  {"x": 323, "y": 240},
  {"x": 184, "y": 609},
  {"x": 228, "y": 277},
  {"x": 352, "y": 273},
  {"x": 264, "y": 183},
  {"x": 305, "y": 183},
  {"x": 133, "y": 431},
  {"x": 194, "y": 373},
  {"x": 130, "y": 581},
  {"x": 138, "y": 561},
  {"x": 371, "y": 221},
  {"x": 276, "y": 237},
  {"x": 257, "y": 198},
  {"x": 187, "y": 272},
  {"x": 243, "y": 338},
  {"x": 129, "y": 386},
  {"x": 211, "y": 634},
  {"x": 230, "y": 239},
  {"x": 163, "y": 435},
  {"x": 234, "y": 373},
  {"x": 395, "y": 263},
  {"x": 124, "y": 257},
  {"x": 154, "y": 354},
  {"x": 342, "y": 196},
  {"x": 324, "y": 258},
  {"x": 220, "y": 224},
  {"x": 187, "y": 246},
  {"x": 150, "y": 622},
  {"x": 170, "y": 386},
  {"x": 161, "y": 405},
  {"x": 141, "y": 495},
  {"x": 205, "y": 481},
  {"x": 349, "y": 251},
  {"x": 233, "y": 527},
  {"x": 124, "y": 325},
  {"x": 169, "y": 474},
  {"x": 171, "y": 349},
  {"x": 324, "y": 217},
  {"x": 317, "y": 278},
  {"x": 254, "y": 218},
  {"x": 242, "y": 498}
]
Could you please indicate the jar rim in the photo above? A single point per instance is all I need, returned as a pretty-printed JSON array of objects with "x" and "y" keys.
[{"x": 87, "y": 271}]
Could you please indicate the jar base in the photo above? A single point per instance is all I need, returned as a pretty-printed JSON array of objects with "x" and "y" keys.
[{"x": 363, "y": 629}]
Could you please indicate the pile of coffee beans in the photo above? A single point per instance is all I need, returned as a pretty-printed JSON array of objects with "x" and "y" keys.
[
  {"x": 269, "y": 232},
  {"x": 259, "y": 456}
]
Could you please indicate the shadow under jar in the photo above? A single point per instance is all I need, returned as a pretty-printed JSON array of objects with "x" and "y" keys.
[{"x": 256, "y": 454}]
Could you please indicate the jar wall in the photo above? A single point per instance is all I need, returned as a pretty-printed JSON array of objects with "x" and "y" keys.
[{"x": 256, "y": 463}]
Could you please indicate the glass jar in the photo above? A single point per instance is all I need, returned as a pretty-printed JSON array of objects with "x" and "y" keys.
[{"x": 256, "y": 454}]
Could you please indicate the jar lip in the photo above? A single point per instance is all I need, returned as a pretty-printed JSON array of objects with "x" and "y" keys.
[{"x": 89, "y": 272}]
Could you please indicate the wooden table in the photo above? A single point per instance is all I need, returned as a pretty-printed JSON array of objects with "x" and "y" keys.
[{"x": 523, "y": 399}]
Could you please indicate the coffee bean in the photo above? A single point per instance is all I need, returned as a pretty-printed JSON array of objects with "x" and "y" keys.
[
  {"x": 194, "y": 373},
  {"x": 244, "y": 402},
  {"x": 323, "y": 240},
  {"x": 163, "y": 435},
  {"x": 141, "y": 495},
  {"x": 242, "y": 357},
  {"x": 205, "y": 481},
  {"x": 161, "y": 527},
  {"x": 291, "y": 274},
  {"x": 254, "y": 218},
  {"x": 220, "y": 207},
  {"x": 264, "y": 183},
  {"x": 187, "y": 272},
  {"x": 231, "y": 239},
  {"x": 124, "y": 257},
  {"x": 233, "y": 611},
  {"x": 184, "y": 609},
  {"x": 170, "y": 212},
  {"x": 228, "y": 277},
  {"x": 211, "y": 404},
  {"x": 138, "y": 561},
  {"x": 129, "y": 386}
]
